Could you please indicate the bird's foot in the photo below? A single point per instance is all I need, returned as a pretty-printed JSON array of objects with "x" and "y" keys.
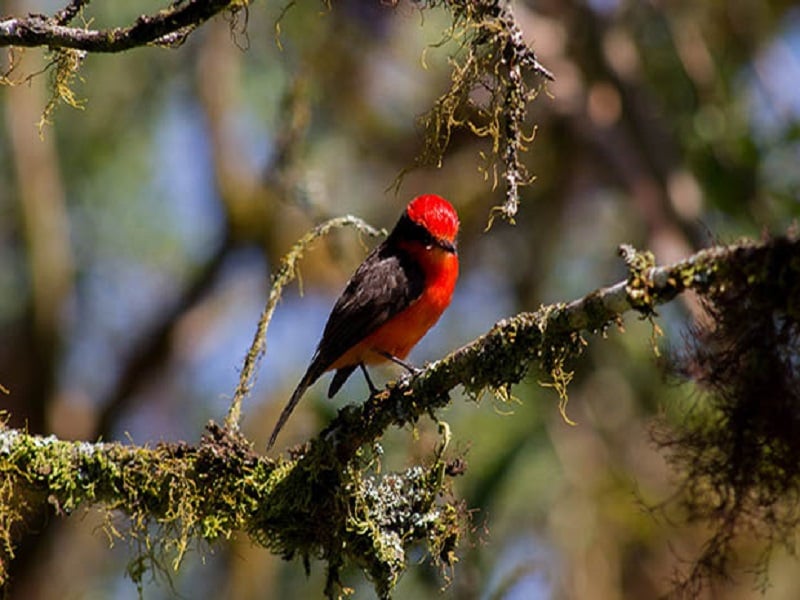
[
  {"x": 407, "y": 366},
  {"x": 372, "y": 389}
]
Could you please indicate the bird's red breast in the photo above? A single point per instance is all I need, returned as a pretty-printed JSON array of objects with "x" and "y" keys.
[{"x": 400, "y": 334}]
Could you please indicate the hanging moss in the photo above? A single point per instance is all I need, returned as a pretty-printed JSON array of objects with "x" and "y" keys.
[{"x": 739, "y": 448}]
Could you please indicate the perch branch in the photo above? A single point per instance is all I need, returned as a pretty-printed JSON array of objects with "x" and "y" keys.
[
  {"x": 502, "y": 356},
  {"x": 319, "y": 502}
]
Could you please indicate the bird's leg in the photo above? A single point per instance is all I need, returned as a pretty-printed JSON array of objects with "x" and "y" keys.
[
  {"x": 408, "y": 367},
  {"x": 372, "y": 389}
]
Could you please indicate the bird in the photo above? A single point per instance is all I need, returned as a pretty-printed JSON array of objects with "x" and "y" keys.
[{"x": 390, "y": 302}]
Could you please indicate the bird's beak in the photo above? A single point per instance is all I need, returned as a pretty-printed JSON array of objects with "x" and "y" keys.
[{"x": 446, "y": 245}]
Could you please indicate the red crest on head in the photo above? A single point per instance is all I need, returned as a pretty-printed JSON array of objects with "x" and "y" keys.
[{"x": 435, "y": 214}]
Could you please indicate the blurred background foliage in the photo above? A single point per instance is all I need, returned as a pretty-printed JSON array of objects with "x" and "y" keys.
[{"x": 138, "y": 234}]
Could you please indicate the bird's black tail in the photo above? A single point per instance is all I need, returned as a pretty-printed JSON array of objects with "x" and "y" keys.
[{"x": 310, "y": 377}]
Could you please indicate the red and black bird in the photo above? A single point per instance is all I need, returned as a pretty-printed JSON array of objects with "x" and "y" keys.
[{"x": 395, "y": 296}]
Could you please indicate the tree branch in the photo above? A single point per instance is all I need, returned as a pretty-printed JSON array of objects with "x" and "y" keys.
[
  {"x": 502, "y": 356},
  {"x": 320, "y": 501},
  {"x": 167, "y": 27}
]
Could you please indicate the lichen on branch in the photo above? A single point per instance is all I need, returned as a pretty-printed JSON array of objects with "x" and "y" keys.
[{"x": 69, "y": 45}]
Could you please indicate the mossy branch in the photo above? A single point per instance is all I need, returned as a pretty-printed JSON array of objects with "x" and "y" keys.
[
  {"x": 175, "y": 495},
  {"x": 494, "y": 59},
  {"x": 321, "y": 502},
  {"x": 167, "y": 27},
  {"x": 502, "y": 357}
]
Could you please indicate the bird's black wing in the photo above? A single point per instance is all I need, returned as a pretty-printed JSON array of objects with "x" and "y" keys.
[
  {"x": 387, "y": 282},
  {"x": 383, "y": 285}
]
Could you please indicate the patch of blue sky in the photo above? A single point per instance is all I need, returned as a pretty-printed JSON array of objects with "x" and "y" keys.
[
  {"x": 137, "y": 256},
  {"x": 523, "y": 571},
  {"x": 773, "y": 95},
  {"x": 216, "y": 360},
  {"x": 183, "y": 178}
]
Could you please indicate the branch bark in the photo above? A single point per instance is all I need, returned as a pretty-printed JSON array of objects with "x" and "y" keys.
[
  {"x": 166, "y": 27},
  {"x": 321, "y": 501}
]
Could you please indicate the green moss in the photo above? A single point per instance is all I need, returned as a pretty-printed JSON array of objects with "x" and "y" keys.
[{"x": 64, "y": 63}]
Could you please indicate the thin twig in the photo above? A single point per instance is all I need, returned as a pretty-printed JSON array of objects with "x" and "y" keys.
[{"x": 69, "y": 12}]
